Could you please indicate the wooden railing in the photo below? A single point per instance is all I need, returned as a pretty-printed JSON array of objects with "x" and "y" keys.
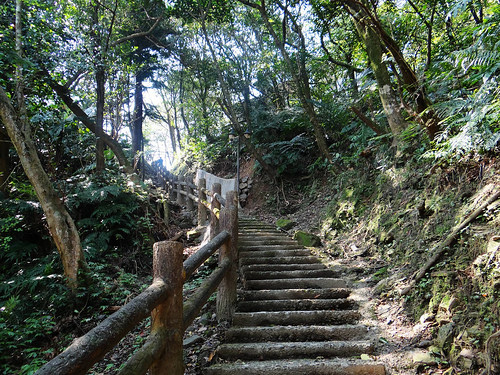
[{"x": 162, "y": 351}]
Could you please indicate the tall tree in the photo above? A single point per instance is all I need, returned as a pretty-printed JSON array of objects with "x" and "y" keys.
[
  {"x": 365, "y": 18},
  {"x": 388, "y": 97},
  {"x": 289, "y": 23},
  {"x": 61, "y": 226}
]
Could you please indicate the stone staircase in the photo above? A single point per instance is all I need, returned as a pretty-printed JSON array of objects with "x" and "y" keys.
[{"x": 293, "y": 315}]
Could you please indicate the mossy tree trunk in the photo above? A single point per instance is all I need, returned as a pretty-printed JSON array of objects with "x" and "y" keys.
[{"x": 388, "y": 97}]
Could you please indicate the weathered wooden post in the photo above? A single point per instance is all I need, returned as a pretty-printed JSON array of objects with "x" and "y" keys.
[
  {"x": 180, "y": 196},
  {"x": 214, "y": 209},
  {"x": 226, "y": 294},
  {"x": 189, "y": 191},
  {"x": 166, "y": 208},
  {"x": 167, "y": 318},
  {"x": 172, "y": 188},
  {"x": 202, "y": 197}
]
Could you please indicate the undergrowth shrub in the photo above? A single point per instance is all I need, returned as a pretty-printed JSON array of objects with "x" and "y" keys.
[{"x": 115, "y": 221}]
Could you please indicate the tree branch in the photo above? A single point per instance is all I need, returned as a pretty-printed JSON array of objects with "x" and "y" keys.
[
  {"x": 65, "y": 96},
  {"x": 337, "y": 62},
  {"x": 136, "y": 35}
]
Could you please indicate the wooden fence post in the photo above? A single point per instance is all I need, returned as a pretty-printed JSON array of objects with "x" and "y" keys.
[
  {"x": 226, "y": 294},
  {"x": 189, "y": 190},
  {"x": 180, "y": 197},
  {"x": 167, "y": 318},
  {"x": 214, "y": 207},
  {"x": 202, "y": 210},
  {"x": 172, "y": 188}
]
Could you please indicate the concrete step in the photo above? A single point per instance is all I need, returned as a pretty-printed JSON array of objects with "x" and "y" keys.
[
  {"x": 296, "y": 333},
  {"x": 285, "y": 251},
  {"x": 299, "y": 283},
  {"x": 264, "y": 239},
  {"x": 320, "y": 317},
  {"x": 250, "y": 248},
  {"x": 284, "y": 260},
  {"x": 250, "y": 226},
  {"x": 337, "y": 366},
  {"x": 282, "y": 267},
  {"x": 272, "y": 350},
  {"x": 326, "y": 293},
  {"x": 295, "y": 305},
  {"x": 289, "y": 274}
]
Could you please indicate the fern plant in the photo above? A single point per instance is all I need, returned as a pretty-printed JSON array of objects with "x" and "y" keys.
[
  {"x": 289, "y": 157},
  {"x": 471, "y": 108}
]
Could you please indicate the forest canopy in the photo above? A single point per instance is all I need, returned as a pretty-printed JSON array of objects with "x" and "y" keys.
[{"x": 94, "y": 94}]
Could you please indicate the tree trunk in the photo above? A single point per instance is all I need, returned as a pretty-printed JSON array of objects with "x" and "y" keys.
[
  {"x": 387, "y": 95},
  {"x": 300, "y": 76},
  {"x": 99, "y": 122},
  {"x": 61, "y": 225},
  {"x": 113, "y": 144},
  {"x": 137, "y": 135},
  {"x": 171, "y": 132},
  {"x": 4, "y": 159},
  {"x": 100, "y": 79},
  {"x": 429, "y": 118}
]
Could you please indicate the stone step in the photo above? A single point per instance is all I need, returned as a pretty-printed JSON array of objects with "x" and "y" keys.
[
  {"x": 265, "y": 240},
  {"x": 281, "y": 252},
  {"x": 311, "y": 349},
  {"x": 282, "y": 267},
  {"x": 259, "y": 248},
  {"x": 284, "y": 260},
  {"x": 326, "y": 293},
  {"x": 296, "y": 333},
  {"x": 297, "y": 283},
  {"x": 248, "y": 226},
  {"x": 260, "y": 232},
  {"x": 337, "y": 366},
  {"x": 289, "y": 274},
  {"x": 295, "y": 305},
  {"x": 320, "y": 317}
]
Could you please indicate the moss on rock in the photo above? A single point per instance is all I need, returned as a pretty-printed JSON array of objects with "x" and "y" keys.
[{"x": 307, "y": 239}]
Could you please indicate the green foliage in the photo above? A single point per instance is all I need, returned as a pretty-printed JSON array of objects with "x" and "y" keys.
[
  {"x": 471, "y": 110},
  {"x": 109, "y": 215},
  {"x": 209, "y": 10},
  {"x": 289, "y": 157}
]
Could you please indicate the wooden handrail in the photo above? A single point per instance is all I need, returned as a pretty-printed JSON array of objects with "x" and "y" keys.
[
  {"x": 86, "y": 350},
  {"x": 197, "y": 259},
  {"x": 195, "y": 303},
  {"x": 162, "y": 352}
]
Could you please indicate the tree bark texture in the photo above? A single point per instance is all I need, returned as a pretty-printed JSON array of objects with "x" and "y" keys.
[
  {"x": 4, "y": 159},
  {"x": 61, "y": 226},
  {"x": 361, "y": 13},
  {"x": 137, "y": 135},
  {"x": 387, "y": 95},
  {"x": 100, "y": 79}
]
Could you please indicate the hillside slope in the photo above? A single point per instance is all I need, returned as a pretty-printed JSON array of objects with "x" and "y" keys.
[{"x": 388, "y": 219}]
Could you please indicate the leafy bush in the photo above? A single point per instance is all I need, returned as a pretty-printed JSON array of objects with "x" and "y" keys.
[{"x": 290, "y": 157}]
